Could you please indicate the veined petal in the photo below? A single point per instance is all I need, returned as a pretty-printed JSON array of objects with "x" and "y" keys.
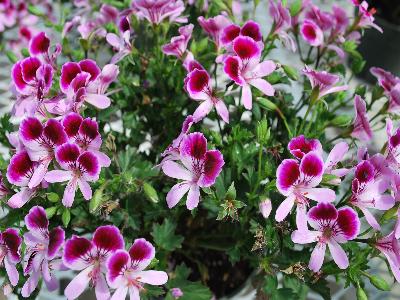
[
  {"x": 312, "y": 168},
  {"x": 193, "y": 197},
  {"x": 176, "y": 193},
  {"x": 75, "y": 250},
  {"x": 319, "y": 194},
  {"x": 175, "y": 170},
  {"x": 265, "y": 68},
  {"x": 98, "y": 100},
  {"x": 153, "y": 277},
  {"x": 203, "y": 110},
  {"x": 36, "y": 219},
  {"x": 233, "y": 67},
  {"x": 287, "y": 175},
  {"x": 90, "y": 66},
  {"x": 39, "y": 44},
  {"x": 120, "y": 293},
  {"x": 194, "y": 145},
  {"x": 12, "y": 272},
  {"x": 58, "y": 176},
  {"x": 101, "y": 289},
  {"x": 222, "y": 111},
  {"x": 141, "y": 253},
  {"x": 72, "y": 123},
  {"x": 324, "y": 213},
  {"x": 317, "y": 257},
  {"x": 67, "y": 154},
  {"x": 108, "y": 238},
  {"x": 118, "y": 262},
  {"x": 338, "y": 254},
  {"x": 246, "y": 48},
  {"x": 85, "y": 189},
  {"x": 213, "y": 163},
  {"x": 69, "y": 193},
  {"x": 56, "y": 239},
  {"x": 19, "y": 199}
]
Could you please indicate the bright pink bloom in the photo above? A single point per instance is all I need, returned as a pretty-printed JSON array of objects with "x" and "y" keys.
[
  {"x": 79, "y": 168},
  {"x": 246, "y": 69},
  {"x": 121, "y": 42},
  {"x": 156, "y": 11},
  {"x": 297, "y": 181},
  {"x": 19, "y": 172},
  {"x": 85, "y": 133},
  {"x": 90, "y": 258},
  {"x": 198, "y": 86},
  {"x": 10, "y": 244},
  {"x": 341, "y": 20},
  {"x": 231, "y": 32},
  {"x": 126, "y": 270},
  {"x": 332, "y": 227},
  {"x": 323, "y": 20},
  {"x": 361, "y": 127},
  {"x": 40, "y": 142},
  {"x": 214, "y": 27},
  {"x": 323, "y": 81},
  {"x": 299, "y": 146},
  {"x": 7, "y": 14},
  {"x": 265, "y": 208},
  {"x": 32, "y": 80},
  {"x": 39, "y": 46},
  {"x": 311, "y": 33},
  {"x": 198, "y": 168},
  {"x": 391, "y": 87},
  {"x": 43, "y": 252},
  {"x": 178, "y": 45},
  {"x": 368, "y": 188},
  {"x": 390, "y": 247},
  {"x": 393, "y": 146},
  {"x": 282, "y": 23},
  {"x": 366, "y": 17}
]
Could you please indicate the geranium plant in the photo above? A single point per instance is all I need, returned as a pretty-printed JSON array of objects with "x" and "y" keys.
[{"x": 156, "y": 150}]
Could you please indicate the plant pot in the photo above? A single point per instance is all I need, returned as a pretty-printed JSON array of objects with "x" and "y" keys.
[{"x": 381, "y": 49}]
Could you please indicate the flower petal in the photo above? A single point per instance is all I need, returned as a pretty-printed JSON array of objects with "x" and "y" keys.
[
  {"x": 116, "y": 264},
  {"x": 141, "y": 253},
  {"x": 36, "y": 219},
  {"x": 263, "y": 85},
  {"x": 108, "y": 238},
  {"x": 75, "y": 250},
  {"x": 175, "y": 170},
  {"x": 304, "y": 236},
  {"x": 284, "y": 208},
  {"x": 317, "y": 257},
  {"x": 193, "y": 197},
  {"x": 176, "y": 193},
  {"x": 338, "y": 254},
  {"x": 213, "y": 163},
  {"x": 76, "y": 287},
  {"x": 287, "y": 175},
  {"x": 153, "y": 277},
  {"x": 247, "y": 97}
]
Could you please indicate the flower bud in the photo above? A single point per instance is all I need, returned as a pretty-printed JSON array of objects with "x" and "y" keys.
[
  {"x": 265, "y": 207},
  {"x": 176, "y": 293},
  {"x": 379, "y": 283}
]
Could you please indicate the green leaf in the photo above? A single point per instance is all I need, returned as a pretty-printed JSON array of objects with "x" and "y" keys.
[
  {"x": 295, "y": 7},
  {"x": 165, "y": 237},
  {"x": 11, "y": 57},
  {"x": 231, "y": 193},
  {"x": 266, "y": 104},
  {"x": 51, "y": 211},
  {"x": 34, "y": 10},
  {"x": 150, "y": 192},
  {"x": 66, "y": 217},
  {"x": 53, "y": 197},
  {"x": 25, "y": 52}
]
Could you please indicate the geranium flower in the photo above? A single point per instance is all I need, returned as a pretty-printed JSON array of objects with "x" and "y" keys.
[
  {"x": 332, "y": 227},
  {"x": 90, "y": 258},
  {"x": 323, "y": 81},
  {"x": 282, "y": 23},
  {"x": 126, "y": 270},
  {"x": 39, "y": 46},
  {"x": 198, "y": 86},
  {"x": 42, "y": 254},
  {"x": 32, "y": 80},
  {"x": 366, "y": 16},
  {"x": 390, "y": 247},
  {"x": 297, "y": 181},
  {"x": 246, "y": 69},
  {"x": 250, "y": 29},
  {"x": 214, "y": 26},
  {"x": 323, "y": 20},
  {"x": 40, "y": 142},
  {"x": 19, "y": 172},
  {"x": 79, "y": 168},
  {"x": 361, "y": 127},
  {"x": 178, "y": 45},
  {"x": 7, "y": 15},
  {"x": 199, "y": 168},
  {"x": 334, "y": 157},
  {"x": 156, "y": 11},
  {"x": 391, "y": 87},
  {"x": 299, "y": 146},
  {"x": 10, "y": 244},
  {"x": 368, "y": 192},
  {"x": 311, "y": 33},
  {"x": 121, "y": 42},
  {"x": 85, "y": 133},
  {"x": 393, "y": 147},
  {"x": 265, "y": 208}
]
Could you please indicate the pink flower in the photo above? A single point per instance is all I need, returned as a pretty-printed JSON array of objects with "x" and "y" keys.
[
  {"x": 214, "y": 26},
  {"x": 341, "y": 20},
  {"x": 391, "y": 87},
  {"x": 366, "y": 17},
  {"x": 90, "y": 258},
  {"x": 121, "y": 42},
  {"x": 368, "y": 189},
  {"x": 311, "y": 33},
  {"x": 43, "y": 252},
  {"x": 7, "y": 14},
  {"x": 156, "y": 11},
  {"x": 39, "y": 46},
  {"x": 19, "y": 172},
  {"x": 10, "y": 244},
  {"x": 265, "y": 208},
  {"x": 282, "y": 23},
  {"x": 85, "y": 133},
  {"x": 198, "y": 86},
  {"x": 323, "y": 20},
  {"x": 390, "y": 247},
  {"x": 334, "y": 157},
  {"x": 178, "y": 45},
  {"x": 250, "y": 29},
  {"x": 299, "y": 146},
  {"x": 323, "y": 81},
  {"x": 361, "y": 128},
  {"x": 4, "y": 191},
  {"x": 393, "y": 147},
  {"x": 198, "y": 168},
  {"x": 32, "y": 80},
  {"x": 332, "y": 227},
  {"x": 40, "y": 142},
  {"x": 246, "y": 69},
  {"x": 79, "y": 168},
  {"x": 176, "y": 293},
  {"x": 297, "y": 181},
  {"x": 126, "y": 270}
]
